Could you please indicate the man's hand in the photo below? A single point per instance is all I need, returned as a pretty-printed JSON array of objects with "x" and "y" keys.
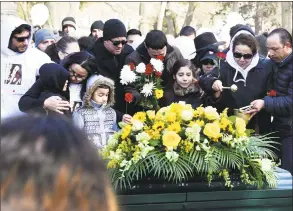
[
  {"x": 56, "y": 104},
  {"x": 127, "y": 118},
  {"x": 217, "y": 86},
  {"x": 257, "y": 105}
]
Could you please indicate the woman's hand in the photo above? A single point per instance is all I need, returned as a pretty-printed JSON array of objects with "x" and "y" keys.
[
  {"x": 126, "y": 118},
  {"x": 56, "y": 104},
  {"x": 217, "y": 86}
]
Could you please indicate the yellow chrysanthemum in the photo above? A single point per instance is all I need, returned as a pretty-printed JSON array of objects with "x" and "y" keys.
[
  {"x": 200, "y": 122},
  {"x": 224, "y": 113},
  {"x": 240, "y": 126},
  {"x": 170, "y": 116},
  {"x": 151, "y": 114},
  {"x": 224, "y": 122},
  {"x": 159, "y": 93},
  {"x": 126, "y": 131},
  {"x": 186, "y": 145},
  {"x": 174, "y": 127},
  {"x": 171, "y": 140},
  {"x": 158, "y": 126},
  {"x": 155, "y": 135},
  {"x": 140, "y": 116},
  {"x": 212, "y": 130},
  {"x": 199, "y": 112}
]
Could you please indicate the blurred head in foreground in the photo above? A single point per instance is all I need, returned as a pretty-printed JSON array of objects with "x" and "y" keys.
[{"x": 48, "y": 164}]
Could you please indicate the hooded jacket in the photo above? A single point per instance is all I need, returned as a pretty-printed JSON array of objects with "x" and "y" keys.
[
  {"x": 98, "y": 121},
  {"x": 53, "y": 77},
  {"x": 253, "y": 83},
  {"x": 28, "y": 64}
]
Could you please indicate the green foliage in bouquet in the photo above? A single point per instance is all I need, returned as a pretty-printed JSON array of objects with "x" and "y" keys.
[{"x": 178, "y": 143}]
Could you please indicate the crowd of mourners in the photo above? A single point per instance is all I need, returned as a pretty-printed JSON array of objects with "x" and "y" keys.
[{"x": 59, "y": 91}]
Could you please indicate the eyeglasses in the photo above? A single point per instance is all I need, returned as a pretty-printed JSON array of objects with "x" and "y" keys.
[
  {"x": 118, "y": 42},
  {"x": 207, "y": 62},
  {"x": 239, "y": 55},
  {"x": 72, "y": 73},
  {"x": 21, "y": 39}
]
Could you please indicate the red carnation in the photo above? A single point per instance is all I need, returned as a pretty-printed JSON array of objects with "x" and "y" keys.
[
  {"x": 158, "y": 74},
  {"x": 149, "y": 69},
  {"x": 160, "y": 57},
  {"x": 132, "y": 66},
  {"x": 272, "y": 93},
  {"x": 221, "y": 55},
  {"x": 128, "y": 97}
]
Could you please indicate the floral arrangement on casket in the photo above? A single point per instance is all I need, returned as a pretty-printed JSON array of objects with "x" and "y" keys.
[
  {"x": 177, "y": 143},
  {"x": 146, "y": 79}
]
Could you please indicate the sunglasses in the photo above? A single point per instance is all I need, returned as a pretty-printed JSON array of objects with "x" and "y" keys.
[
  {"x": 117, "y": 42},
  {"x": 21, "y": 39},
  {"x": 207, "y": 62},
  {"x": 239, "y": 55}
]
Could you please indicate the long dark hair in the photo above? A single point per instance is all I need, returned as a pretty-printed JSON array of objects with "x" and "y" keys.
[
  {"x": 61, "y": 45},
  {"x": 48, "y": 164},
  {"x": 85, "y": 60},
  {"x": 176, "y": 67}
]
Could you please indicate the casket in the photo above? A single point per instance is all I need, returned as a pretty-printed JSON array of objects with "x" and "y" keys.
[{"x": 195, "y": 194}]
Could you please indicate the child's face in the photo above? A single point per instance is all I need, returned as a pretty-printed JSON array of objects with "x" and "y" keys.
[
  {"x": 100, "y": 96},
  {"x": 184, "y": 77}
]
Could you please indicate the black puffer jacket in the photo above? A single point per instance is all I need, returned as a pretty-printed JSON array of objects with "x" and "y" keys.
[
  {"x": 256, "y": 87},
  {"x": 110, "y": 66},
  {"x": 281, "y": 105}
]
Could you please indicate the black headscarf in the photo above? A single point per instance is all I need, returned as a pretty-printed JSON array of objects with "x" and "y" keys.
[{"x": 53, "y": 77}]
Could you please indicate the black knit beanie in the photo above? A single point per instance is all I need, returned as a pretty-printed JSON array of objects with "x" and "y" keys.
[
  {"x": 113, "y": 28},
  {"x": 97, "y": 25},
  {"x": 68, "y": 21}
]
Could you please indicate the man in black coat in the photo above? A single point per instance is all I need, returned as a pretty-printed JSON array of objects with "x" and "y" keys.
[
  {"x": 110, "y": 52},
  {"x": 279, "y": 45}
]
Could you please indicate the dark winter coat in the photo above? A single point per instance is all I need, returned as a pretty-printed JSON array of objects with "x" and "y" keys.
[
  {"x": 281, "y": 105},
  {"x": 172, "y": 96},
  {"x": 110, "y": 66},
  {"x": 256, "y": 87},
  {"x": 141, "y": 55}
]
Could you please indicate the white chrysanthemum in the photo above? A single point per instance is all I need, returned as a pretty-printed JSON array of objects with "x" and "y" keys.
[
  {"x": 193, "y": 132},
  {"x": 147, "y": 89},
  {"x": 172, "y": 156},
  {"x": 187, "y": 115},
  {"x": 266, "y": 164},
  {"x": 137, "y": 125},
  {"x": 157, "y": 64},
  {"x": 140, "y": 68},
  {"x": 127, "y": 76},
  {"x": 143, "y": 136}
]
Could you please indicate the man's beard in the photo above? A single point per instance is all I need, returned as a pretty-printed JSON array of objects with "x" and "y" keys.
[{"x": 16, "y": 49}]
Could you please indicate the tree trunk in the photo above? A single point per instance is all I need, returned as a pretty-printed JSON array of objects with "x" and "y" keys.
[
  {"x": 170, "y": 23},
  {"x": 190, "y": 13},
  {"x": 235, "y": 7},
  {"x": 287, "y": 15},
  {"x": 161, "y": 15},
  {"x": 258, "y": 19},
  {"x": 144, "y": 26}
]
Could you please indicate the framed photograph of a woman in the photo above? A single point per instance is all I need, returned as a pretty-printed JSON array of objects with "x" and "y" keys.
[{"x": 15, "y": 75}]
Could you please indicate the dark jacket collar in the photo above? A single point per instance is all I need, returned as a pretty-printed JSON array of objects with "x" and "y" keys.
[
  {"x": 286, "y": 61},
  {"x": 142, "y": 51},
  {"x": 100, "y": 50}
]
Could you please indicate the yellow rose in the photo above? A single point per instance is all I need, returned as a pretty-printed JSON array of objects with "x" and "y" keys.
[
  {"x": 159, "y": 93},
  {"x": 212, "y": 130},
  {"x": 211, "y": 113},
  {"x": 151, "y": 114},
  {"x": 240, "y": 126},
  {"x": 171, "y": 140},
  {"x": 170, "y": 116}
]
